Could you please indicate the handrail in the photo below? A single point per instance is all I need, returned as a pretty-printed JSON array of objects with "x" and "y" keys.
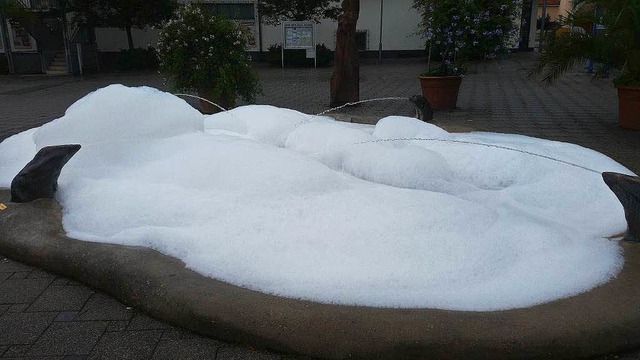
[{"x": 40, "y": 4}]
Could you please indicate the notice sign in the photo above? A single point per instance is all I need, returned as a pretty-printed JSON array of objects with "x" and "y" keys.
[
  {"x": 298, "y": 35},
  {"x": 311, "y": 53}
]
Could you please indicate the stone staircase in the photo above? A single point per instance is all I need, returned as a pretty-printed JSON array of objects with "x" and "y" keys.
[{"x": 58, "y": 65}]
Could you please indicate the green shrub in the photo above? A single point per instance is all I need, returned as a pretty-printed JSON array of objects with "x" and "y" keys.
[
  {"x": 298, "y": 57},
  {"x": 137, "y": 59},
  {"x": 207, "y": 54}
]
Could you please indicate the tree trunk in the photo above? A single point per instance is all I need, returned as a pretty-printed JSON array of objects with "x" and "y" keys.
[
  {"x": 129, "y": 37},
  {"x": 345, "y": 80}
]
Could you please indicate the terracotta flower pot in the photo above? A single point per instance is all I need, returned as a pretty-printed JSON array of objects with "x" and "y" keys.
[
  {"x": 629, "y": 107},
  {"x": 441, "y": 91}
]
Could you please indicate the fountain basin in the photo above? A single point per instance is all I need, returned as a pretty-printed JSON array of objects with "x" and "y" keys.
[{"x": 601, "y": 321}]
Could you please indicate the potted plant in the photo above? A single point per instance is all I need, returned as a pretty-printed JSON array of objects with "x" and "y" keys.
[
  {"x": 616, "y": 48},
  {"x": 207, "y": 54},
  {"x": 457, "y": 31}
]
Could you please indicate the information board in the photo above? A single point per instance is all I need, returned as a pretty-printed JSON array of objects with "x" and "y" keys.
[{"x": 298, "y": 35}]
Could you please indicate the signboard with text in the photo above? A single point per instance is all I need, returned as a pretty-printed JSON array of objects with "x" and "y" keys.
[{"x": 298, "y": 35}]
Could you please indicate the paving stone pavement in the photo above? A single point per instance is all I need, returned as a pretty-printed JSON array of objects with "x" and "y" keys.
[{"x": 44, "y": 316}]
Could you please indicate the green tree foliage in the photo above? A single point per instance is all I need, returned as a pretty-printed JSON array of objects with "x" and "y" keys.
[
  {"x": 207, "y": 54},
  {"x": 122, "y": 14},
  {"x": 13, "y": 9},
  {"x": 275, "y": 11}
]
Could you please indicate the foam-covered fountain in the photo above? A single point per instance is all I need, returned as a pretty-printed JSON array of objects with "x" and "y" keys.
[{"x": 402, "y": 222}]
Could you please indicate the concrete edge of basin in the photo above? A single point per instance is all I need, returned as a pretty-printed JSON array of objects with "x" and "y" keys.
[{"x": 601, "y": 321}]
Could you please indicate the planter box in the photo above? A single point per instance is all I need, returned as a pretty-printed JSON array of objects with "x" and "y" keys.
[
  {"x": 441, "y": 91},
  {"x": 629, "y": 107}
]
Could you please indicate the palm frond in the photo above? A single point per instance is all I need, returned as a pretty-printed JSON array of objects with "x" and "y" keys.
[
  {"x": 617, "y": 46},
  {"x": 562, "y": 53}
]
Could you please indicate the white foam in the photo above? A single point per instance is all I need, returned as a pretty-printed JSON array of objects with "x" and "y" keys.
[
  {"x": 307, "y": 207},
  {"x": 117, "y": 113},
  {"x": 15, "y": 152}
]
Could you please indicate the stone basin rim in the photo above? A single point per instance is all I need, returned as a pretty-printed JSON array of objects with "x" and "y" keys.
[{"x": 602, "y": 321}]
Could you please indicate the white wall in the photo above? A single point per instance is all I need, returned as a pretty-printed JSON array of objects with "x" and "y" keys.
[{"x": 400, "y": 22}]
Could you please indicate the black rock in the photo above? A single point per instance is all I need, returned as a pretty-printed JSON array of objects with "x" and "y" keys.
[
  {"x": 39, "y": 179},
  {"x": 424, "y": 111},
  {"x": 627, "y": 190}
]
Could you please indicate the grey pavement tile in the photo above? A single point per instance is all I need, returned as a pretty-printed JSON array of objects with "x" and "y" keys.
[
  {"x": 104, "y": 307},
  {"x": 66, "y": 316},
  {"x": 41, "y": 274},
  {"x": 2, "y": 349},
  {"x": 17, "y": 351},
  {"x": 188, "y": 349},
  {"x": 22, "y": 291},
  {"x": 61, "y": 298},
  {"x": 240, "y": 353},
  {"x": 23, "y": 328},
  {"x": 15, "y": 308},
  {"x": 117, "y": 325},
  {"x": 19, "y": 275},
  {"x": 68, "y": 338},
  {"x": 8, "y": 265},
  {"x": 73, "y": 357},
  {"x": 144, "y": 322},
  {"x": 60, "y": 282},
  {"x": 5, "y": 276},
  {"x": 174, "y": 333},
  {"x": 126, "y": 345}
]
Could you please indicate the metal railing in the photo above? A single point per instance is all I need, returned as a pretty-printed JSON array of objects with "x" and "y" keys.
[{"x": 40, "y": 4}]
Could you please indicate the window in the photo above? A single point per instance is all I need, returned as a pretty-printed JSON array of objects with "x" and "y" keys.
[
  {"x": 237, "y": 11},
  {"x": 20, "y": 38},
  {"x": 362, "y": 39}
]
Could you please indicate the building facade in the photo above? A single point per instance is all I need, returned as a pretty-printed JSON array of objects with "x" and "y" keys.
[
  {"x": 388, "y": 27},
  {"x": 399, "y": 22}
]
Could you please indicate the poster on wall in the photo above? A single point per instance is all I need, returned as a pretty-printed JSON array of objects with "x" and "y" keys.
[
  {"x": 250, "y": 26},
  {"x": 298, "y": 35},
  {"x": 20, "y": 38}
]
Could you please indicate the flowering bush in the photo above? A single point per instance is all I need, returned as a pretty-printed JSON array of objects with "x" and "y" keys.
[
  {"x": 204, "y": 53},
  {"x": 459, "y": 30}
]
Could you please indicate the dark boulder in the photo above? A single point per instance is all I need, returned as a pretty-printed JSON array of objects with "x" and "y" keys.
[
  {"x": 424, "y": 111},
  {"x": 39, "y": 178},
  {"x": 627, "y": 190}
]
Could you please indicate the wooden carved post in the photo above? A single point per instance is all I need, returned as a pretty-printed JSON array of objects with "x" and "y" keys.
[{"x": 345, "y": 80}]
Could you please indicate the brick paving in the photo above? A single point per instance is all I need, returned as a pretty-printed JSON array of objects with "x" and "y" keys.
[{"x": 46, "y": 316}]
